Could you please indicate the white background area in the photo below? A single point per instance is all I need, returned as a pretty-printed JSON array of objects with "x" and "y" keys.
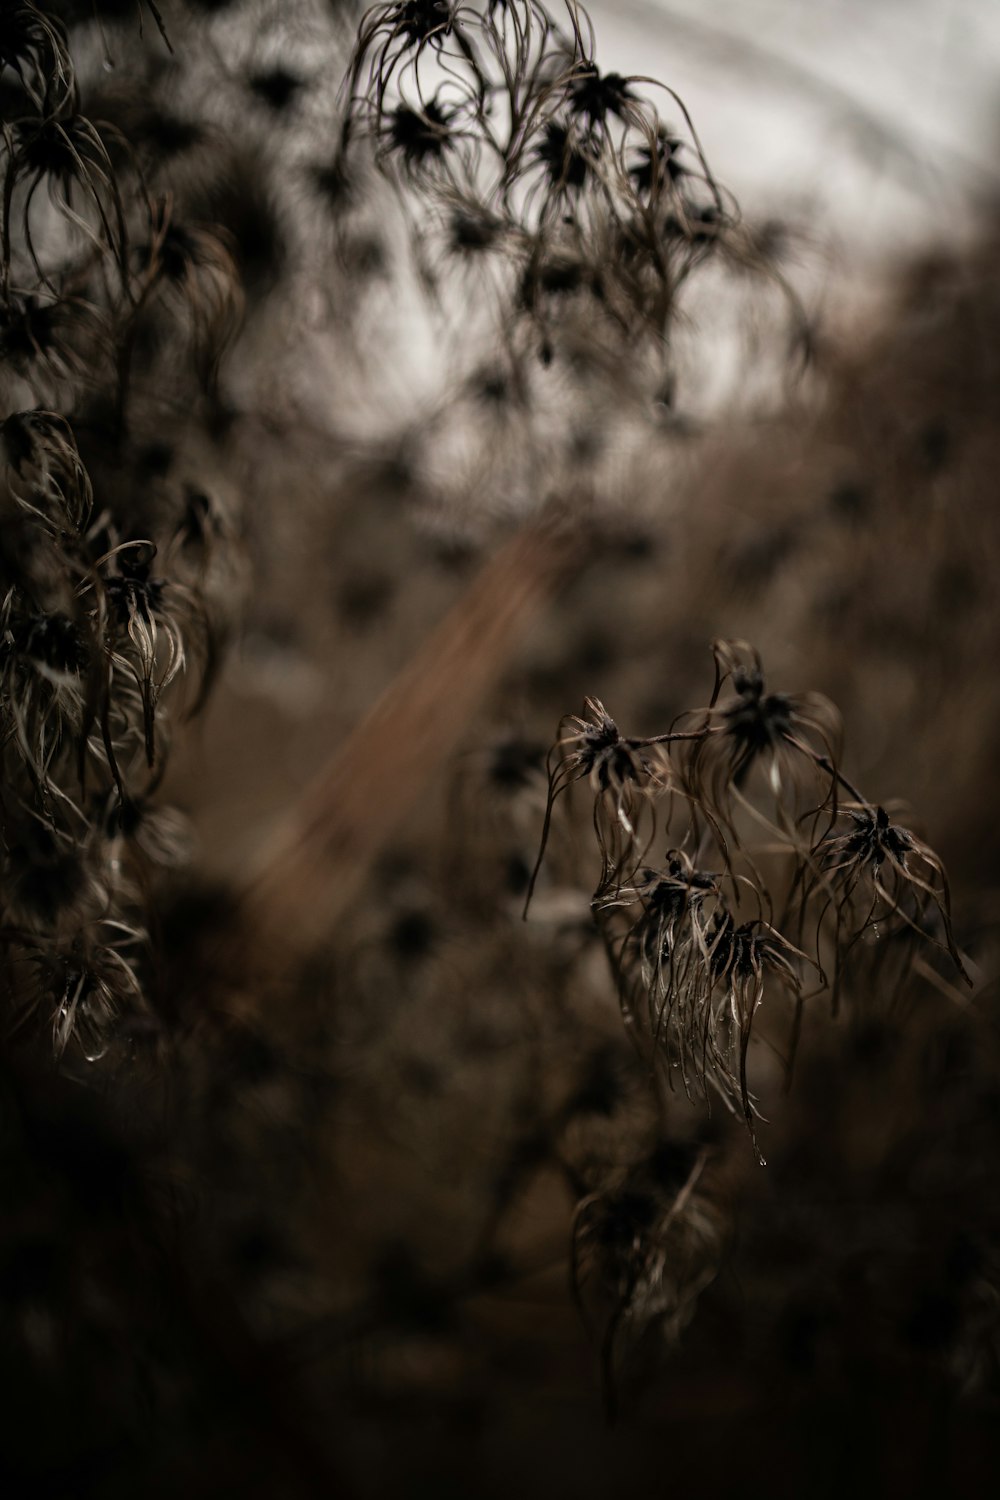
[{"x": 874, "y": 126}]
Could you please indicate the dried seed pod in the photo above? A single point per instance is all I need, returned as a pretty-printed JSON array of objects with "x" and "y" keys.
[{"x": 692, "y": 967}]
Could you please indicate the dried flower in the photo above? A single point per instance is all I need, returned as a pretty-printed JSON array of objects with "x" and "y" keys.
[
  {"x": 692, "y": 968},
  {"x": 642, "y": 1253},
  {"x": 66, "y": 152},
  {"x": 619, "y": 772},
  {"x": 790, "y": 736},
  {"x": 881, "y": 880}
]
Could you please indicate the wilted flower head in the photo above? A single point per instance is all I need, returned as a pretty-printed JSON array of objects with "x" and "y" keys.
[
  {"x": 693, "y": 965},
  {"x": 69, "y": 155},
  {"x": 642, "y": 1253},
  {"x": 192, "y": 270},
  {"x": 50, "y": 483},
  {"x": 619, "y": 771},
  {"x": 881, "y": 882},
  {"x": 793, "y": 738},
  {"x": 420, "y": 136},
  {"x": 81, "y": 984},
  {"x": 33, "y": 46}
]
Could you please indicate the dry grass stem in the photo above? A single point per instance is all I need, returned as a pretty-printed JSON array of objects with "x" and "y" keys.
[{"x": 317, "y": 860}]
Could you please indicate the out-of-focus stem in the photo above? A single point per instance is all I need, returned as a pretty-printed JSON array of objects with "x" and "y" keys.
[{"x": 317, "y": 860}]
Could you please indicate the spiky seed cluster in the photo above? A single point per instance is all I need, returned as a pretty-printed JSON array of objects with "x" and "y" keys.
[
  {"x": 620, "y": 773},
  {"x": 700, "y": 943},
  {"x": 504, "y": 112},
  {"x": 885, "y": 887},
  {"x": 104, "y": 602}
]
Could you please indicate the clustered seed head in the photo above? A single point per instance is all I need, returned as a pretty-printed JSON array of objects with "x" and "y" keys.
[
  {"x": 104, "y": 594},
  {"x": 702, "y": 942},
  {"x": 566, "y": 160}
]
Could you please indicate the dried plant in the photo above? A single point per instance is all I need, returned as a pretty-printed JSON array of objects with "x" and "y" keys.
[
  {"x": 696, "y": 945},
  {"x": 301, "y": 1141},
  {"x": 91, "y": 633}
]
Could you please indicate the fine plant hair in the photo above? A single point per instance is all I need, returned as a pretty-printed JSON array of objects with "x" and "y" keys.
[
  {"x": 106, "y": 596},
  {"x": 779, "y": 875},
  {"x": 557, "y": 216}
]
